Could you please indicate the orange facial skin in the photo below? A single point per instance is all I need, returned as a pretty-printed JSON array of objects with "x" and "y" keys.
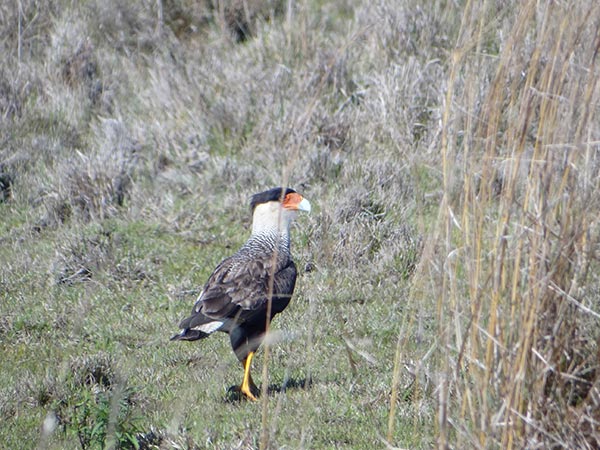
[{"x": 291, "y": 201}]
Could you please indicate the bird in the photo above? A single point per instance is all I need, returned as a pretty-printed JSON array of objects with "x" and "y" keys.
[{"x": 246, "y": 290}]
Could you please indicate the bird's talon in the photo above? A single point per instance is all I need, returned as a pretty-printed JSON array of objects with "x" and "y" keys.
[{"x": 248, "y": 393}]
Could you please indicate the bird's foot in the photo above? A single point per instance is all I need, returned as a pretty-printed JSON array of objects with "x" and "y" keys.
[
  {"x": 238, "y": 393},
  {"x": 249, "y": 392},
  {"x": 249, "y": 389}
]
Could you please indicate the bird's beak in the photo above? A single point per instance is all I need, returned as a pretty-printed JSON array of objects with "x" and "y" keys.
[{"x": 304, "y": 205}]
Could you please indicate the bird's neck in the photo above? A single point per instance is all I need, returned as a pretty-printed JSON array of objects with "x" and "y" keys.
[
  {"x": 272, "y": 220},
  {"x": 272, "y": 235},
  {"x": 271, "y": 227}
]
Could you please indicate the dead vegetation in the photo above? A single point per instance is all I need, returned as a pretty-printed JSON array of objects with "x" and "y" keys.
[{"x": 519, "y": 369}]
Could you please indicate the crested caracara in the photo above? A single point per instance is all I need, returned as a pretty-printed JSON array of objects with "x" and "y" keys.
[{"x": 247, "y": 289}]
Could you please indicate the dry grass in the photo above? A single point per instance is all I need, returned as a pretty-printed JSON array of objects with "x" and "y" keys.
[
  {"x": 518, "y": 233},
  {"x": 449, "y": 294}
]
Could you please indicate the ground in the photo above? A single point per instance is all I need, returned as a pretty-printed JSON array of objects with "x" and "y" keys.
[{"x": 448, "y": 291}]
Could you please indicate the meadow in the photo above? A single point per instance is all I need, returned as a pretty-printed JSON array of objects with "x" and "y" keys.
[{"x": 449, "y": 276}]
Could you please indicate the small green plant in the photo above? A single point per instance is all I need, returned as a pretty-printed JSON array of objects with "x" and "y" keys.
[{"x": 102, "y": 419}]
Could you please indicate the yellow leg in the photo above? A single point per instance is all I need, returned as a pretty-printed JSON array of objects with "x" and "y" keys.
[{"x": 247, "y": 384}]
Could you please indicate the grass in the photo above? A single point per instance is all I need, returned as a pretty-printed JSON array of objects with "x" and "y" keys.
[{"x": 448, "y": 294}]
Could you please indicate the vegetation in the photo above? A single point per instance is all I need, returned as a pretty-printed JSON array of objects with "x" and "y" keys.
[{"x": 449, "y": 293}]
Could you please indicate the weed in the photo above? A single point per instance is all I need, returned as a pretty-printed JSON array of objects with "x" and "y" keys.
[{"x": 101, "y": 419}]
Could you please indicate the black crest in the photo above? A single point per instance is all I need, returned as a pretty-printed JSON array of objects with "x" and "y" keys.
[{"x": 272, "y": 195}]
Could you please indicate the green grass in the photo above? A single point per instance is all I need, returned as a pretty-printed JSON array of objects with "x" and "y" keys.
[{"x": 129, "y": 304}]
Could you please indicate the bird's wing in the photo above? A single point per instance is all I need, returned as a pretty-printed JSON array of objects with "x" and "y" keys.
[{"x": 239, "y": 287}]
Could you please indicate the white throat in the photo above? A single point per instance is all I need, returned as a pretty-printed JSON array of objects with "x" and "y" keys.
[{"x": 272, "y": 218}]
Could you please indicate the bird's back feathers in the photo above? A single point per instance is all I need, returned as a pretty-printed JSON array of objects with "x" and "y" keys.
[{"x": 239, "y": 289}]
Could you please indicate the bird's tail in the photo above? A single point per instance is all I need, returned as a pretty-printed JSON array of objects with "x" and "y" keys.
[
  {"x": 196, "y": 327},
  {"x": 189, "y": 335}
]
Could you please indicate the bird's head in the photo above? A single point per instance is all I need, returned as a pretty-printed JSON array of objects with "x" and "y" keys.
[{"x": 276, "y": 209}]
